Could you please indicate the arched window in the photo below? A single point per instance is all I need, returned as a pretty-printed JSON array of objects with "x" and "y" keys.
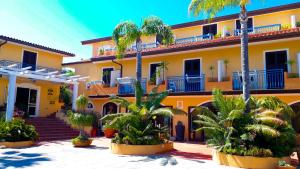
[
  {"x": 90, "y": 106},
  {"x": 109, "y": 108}
]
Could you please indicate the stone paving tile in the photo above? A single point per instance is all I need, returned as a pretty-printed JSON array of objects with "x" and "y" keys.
[{"x": 62, "y": 155}]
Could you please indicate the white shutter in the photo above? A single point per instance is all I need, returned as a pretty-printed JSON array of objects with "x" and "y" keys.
[{"x": 113, "y": 76}]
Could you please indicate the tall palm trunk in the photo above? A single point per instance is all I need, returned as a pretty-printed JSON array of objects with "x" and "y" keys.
[
  {"x": 139, "y": 60},
  {"x": 138, "y": 97},
  {"x": 244, "y": 56}
]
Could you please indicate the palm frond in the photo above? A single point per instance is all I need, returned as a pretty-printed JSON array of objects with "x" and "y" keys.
[
  {"x": 119, "y": 100},
  {"x": 271, "y": 121},
  {"x": 204, "y": 111},
  {"x": 110, "y": 117},
  {"x": 263, "y": 130},
  {"x": 124, "y": 35},
  {"x": 166, "y": 112}
]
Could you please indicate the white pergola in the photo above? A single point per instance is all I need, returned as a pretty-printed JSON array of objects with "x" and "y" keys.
[{"x": 14, "y": 69}]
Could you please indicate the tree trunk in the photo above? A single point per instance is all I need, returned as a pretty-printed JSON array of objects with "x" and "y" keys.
[
  {"x": 244, "y": 57},
  {"x": 139, "y": 60}
]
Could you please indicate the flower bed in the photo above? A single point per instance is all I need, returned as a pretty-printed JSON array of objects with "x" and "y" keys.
[
  {"x": 125, "y": 149},
  {"x": 247, "y": 161}
]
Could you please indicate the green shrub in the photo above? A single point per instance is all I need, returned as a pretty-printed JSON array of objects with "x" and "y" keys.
[
  {"x": 264, "y": 132},
  {"x": 17, "y": 130},
  {"x": 81, "y": 120},
  {"x": 2, "y": 116},
  {"x": 298, "y": 24},
  {"x": 136, "y": 126}
]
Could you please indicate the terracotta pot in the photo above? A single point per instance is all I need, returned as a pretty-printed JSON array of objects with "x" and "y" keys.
[
  {"x": 79, "y": 143},
  {"x": 109, "y": 133},
  {"x": 288, "y": 167}
]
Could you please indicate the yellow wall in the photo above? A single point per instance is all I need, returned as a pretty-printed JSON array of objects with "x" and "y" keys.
[
  {"x": 282, "y": 17},
  {"x": 15, "y": 53}
]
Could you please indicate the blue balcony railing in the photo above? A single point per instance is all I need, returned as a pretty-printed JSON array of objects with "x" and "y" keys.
[
  {"x": 260, "y": 29},
  {"x": 186, "y": 83},
  {"x": 146, "y": 46},
  {"x": 127, "y": 85},
  {"x": 261, "y": 79},
  {"x": 194, "y": 39}
]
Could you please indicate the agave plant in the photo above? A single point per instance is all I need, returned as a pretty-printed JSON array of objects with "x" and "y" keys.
[
  {"x": 137, "y": 127},
  {"x": 265, "y": 131}
]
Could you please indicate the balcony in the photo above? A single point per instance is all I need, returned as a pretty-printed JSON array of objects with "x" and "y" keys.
[
  {"x": 260, "y": 29},
  {"x": 126, "y": 85},
  {"x": 261, "y": 79},
  {"x": 194, "y": 39},
  {"x": 186, "y": 83}
]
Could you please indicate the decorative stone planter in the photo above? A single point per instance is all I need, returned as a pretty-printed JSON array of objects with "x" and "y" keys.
[
  {"x": 17, "y": 144},
  {"x": 247, "y": 161},
  {"x": 125, "y": 149},
  {"x": 82, "y": 143}
]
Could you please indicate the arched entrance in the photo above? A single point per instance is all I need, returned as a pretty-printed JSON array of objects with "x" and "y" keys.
[
  {"x": 109, "y": 108},
  {"x": 165, "y": 121},
  {"x": 296, "y": 118},
  {"x": 193, "y": 135}
]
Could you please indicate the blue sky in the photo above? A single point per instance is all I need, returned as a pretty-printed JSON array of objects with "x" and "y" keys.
[{"x": 63, "y": 24}]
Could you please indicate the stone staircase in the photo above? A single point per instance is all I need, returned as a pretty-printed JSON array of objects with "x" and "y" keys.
[{"x": 52, "y": 129}]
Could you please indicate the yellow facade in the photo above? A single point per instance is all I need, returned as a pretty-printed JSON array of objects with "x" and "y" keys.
[
  {"x": 48, "y": 102},
  {"x": 208, "y": 57}
]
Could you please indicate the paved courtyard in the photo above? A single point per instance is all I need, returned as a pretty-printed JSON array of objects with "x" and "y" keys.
[{"x": 62, "y": 155}]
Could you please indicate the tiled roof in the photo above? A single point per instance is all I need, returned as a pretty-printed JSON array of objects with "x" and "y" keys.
[
  {"x": 9, "y": 39},
  {"x": 217, "y": 19},
  {"x": 232, "y": 40}
]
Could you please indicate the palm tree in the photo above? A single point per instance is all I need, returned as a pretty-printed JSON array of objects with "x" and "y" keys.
[
  {"x": 127, "y": 33},
  {"x": 211, "y": 8}
]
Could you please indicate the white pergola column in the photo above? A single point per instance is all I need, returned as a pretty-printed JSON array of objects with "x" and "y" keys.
[
  {"x": 11, "y": 96},
  {"x": 74, "y": 96},
  {"x": 293, "y": 21},
  {"x": 221, "y": 70},
  {"x": 298, "y": 59}
]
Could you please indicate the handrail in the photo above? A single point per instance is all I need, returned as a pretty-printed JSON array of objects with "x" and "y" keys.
[
  {"x": 186, "y": 83},
  {"x": 260, "y": 29},
  {"x": 260, "y": 79},
  {"x": 194, "y": 39}
]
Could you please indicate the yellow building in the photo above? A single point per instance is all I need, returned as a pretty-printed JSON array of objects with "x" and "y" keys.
[
  {"x": 30, "y": 78},
  {"x": 205, "y": 55}
]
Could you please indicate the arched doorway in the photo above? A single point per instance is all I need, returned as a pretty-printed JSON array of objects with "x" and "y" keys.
[
  {"x": 165, "y": 121},
  {"x": 193, "y": 135},
  {"x": 109, "y": 108},
  {"x": 296, "y": 118}
]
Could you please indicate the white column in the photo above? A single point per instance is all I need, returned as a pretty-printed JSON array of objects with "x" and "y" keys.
[
  {"x": 11, "y": 96},
  {"x": 74, "y": 96},
  {"x": 224, "y": 31},
  {"x": 293, "y": 21},
  {"x": 221, "y": 70},
  {"x": 298, "y": 59}
]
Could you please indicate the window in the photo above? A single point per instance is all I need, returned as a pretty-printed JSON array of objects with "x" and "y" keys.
[
  {"x": 159, "y": 39},
  {"x": 212, "y": 29},
  {"x": 90, "y": 106},
  {"x": 29, "y": 59},
  {"x": 106, "y": 75},
  {"x": 192, "y": 67},
  {"x": 249, "y": 24}
]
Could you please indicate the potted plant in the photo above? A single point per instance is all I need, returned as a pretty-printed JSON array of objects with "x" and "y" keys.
[
  {"x": 101, "y": 52},
  {"x": 284, "y": 165},
  {"x": 81, "y": 119},
  {"x": 137, "y": 133},
  {"x": 16, "y": 133},
  {"x": 291, "y": 74},
  {"x": 250, "y": 140},
  {"x": 108, "y": 131},
  {"x": 152, "y": 80},
  {"x": 162, "y": 68},
  {"x": 65, "y": 97}
]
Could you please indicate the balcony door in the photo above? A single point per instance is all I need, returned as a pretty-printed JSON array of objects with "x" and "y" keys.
[
  {"x": 276, "y": 65},
  {"x": 192, "y": 70},
  {"x": 29, "y": 59},
  {"x": 106, "y": 75},
  {"x": 27, "y": 101},
  {"x": 212, "y": 29}
]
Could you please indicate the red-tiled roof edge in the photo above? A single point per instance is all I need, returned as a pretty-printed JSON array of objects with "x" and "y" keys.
[
  {"x": 10, "y": 39},
  {"x": 212, "y": 43},
  {"x": 77, "y": 62},
  {"x": 217, "y": 19}
]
